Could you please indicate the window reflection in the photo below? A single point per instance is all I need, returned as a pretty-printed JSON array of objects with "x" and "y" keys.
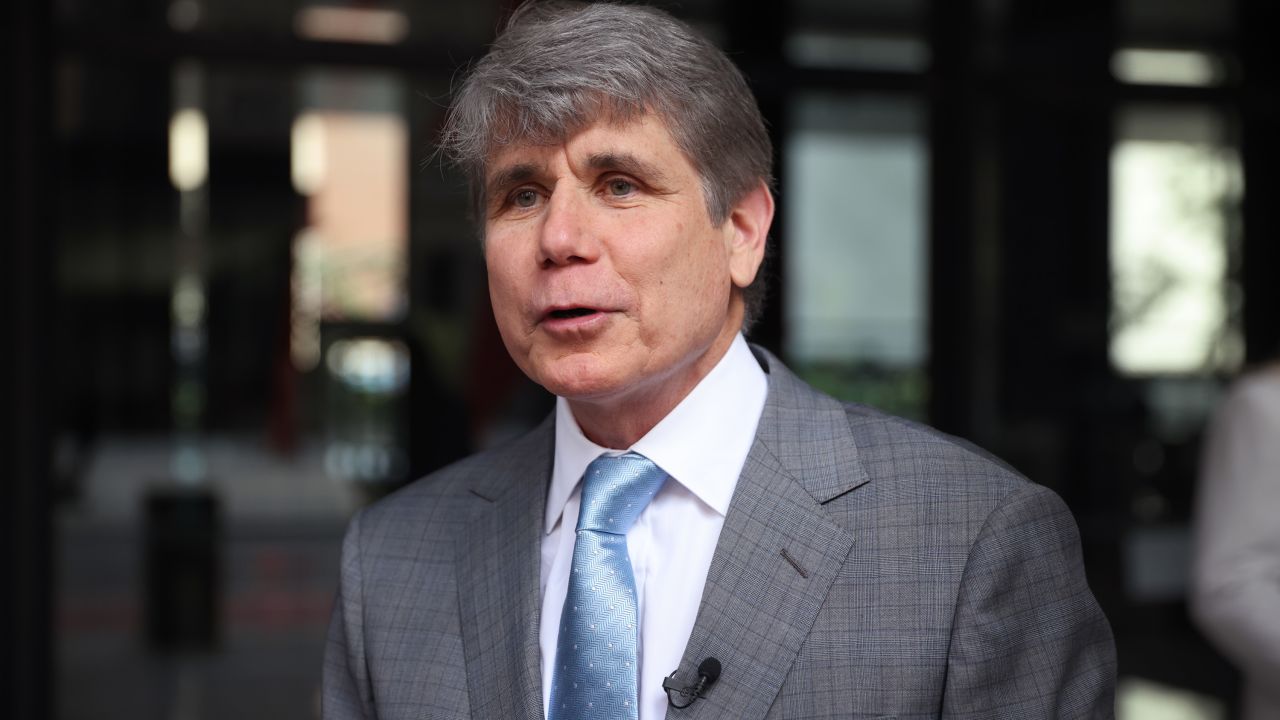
[
  {"x": 1176, "y": 190},
  {"x": 354, "y": 167},
  {"x": 369, "y": 377},
  {"x": 351, "y": 24},
  {"x": 1167, "y": 67},
  {"x": 859, "y": 51},
  {"x": 856, "y": 302}
]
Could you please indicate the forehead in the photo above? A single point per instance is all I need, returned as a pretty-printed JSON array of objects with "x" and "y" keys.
[{"x": 644, "y": 137}]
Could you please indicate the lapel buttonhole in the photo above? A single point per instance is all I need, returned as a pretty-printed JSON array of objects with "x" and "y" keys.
[{"x": 794, "y": 563}]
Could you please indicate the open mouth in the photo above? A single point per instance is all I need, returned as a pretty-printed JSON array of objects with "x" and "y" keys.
[{"x": 570, "y": 313}]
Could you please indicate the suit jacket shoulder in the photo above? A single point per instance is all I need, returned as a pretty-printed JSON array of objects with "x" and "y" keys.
[
  {"x": 893, "y": 571},
  {"x": 485, "y": 475},
  {"x": 436, "y": 613},
  {"x": 929, "y": 476}
]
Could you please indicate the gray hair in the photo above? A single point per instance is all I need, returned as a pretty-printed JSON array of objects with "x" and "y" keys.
[{"x": 559, "y": 67}]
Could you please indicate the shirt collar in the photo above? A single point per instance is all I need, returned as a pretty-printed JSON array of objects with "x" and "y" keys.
[{"x": 702, "y": 443}]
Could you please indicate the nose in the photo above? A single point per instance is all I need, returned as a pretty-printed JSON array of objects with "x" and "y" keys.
[{"x": 566, "y": 236}]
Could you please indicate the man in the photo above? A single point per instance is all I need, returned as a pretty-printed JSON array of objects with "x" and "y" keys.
[{"x": 690, "y": 498}]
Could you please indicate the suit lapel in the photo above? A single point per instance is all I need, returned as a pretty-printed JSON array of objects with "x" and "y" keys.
[
  {"x": 778, "y": 553},
  {"x": 498, "y": 588}
]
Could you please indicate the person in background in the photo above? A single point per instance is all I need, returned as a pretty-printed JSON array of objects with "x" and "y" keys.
[
  {"x": 693, "y": 531},
  {"x": 1236, "y": 567}
]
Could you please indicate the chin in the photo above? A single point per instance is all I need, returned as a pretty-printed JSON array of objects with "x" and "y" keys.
[{"x": 580, "y": 377}]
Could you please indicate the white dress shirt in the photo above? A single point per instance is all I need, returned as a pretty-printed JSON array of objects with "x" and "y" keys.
[{"x": 702, "y": 444}]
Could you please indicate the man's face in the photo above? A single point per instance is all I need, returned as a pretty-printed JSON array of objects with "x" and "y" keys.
[{"x": 609, "y": 282}]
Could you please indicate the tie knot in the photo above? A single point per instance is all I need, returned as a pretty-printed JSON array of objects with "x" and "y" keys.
[{"x": 615, "y": 490}]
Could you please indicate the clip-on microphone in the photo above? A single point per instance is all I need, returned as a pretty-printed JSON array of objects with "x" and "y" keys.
[{"x": 708, "y": 673}]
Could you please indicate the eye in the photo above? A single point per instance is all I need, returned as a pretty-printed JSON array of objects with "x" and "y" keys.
[
  {"x": 620, "y": 187},
  {"x": 524, "y": 198}
]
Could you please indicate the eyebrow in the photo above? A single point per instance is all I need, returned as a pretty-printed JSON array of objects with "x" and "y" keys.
[
  {"x": 627, "y": 163},
  {"x": 624, "y": 162},
  {"x": 510, "y": 175}
]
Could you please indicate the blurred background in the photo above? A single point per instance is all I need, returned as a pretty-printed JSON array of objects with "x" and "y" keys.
[{"x": 242, "y": 298}]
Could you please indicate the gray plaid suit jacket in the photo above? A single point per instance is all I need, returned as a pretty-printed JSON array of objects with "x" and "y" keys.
[{"x": 868, "y": 567}]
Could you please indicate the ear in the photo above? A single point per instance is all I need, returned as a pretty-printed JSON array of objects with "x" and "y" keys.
[{"x": 747, "y": 229}]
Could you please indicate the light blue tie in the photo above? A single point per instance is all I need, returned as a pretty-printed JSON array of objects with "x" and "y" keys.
[{"x": 596, "y": 673}]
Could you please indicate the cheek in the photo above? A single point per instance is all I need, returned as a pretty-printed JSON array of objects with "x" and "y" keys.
[
  {"x": 503, "y": 288},
  {"x": 705, "y": 267},
  {"x": 690, "y": 285}
]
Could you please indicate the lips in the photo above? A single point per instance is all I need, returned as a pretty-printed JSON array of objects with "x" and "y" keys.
[
  {"x": 570, "y": 313},
  {"x": 569, "y": 310},
  {"x": 572, "y": 321}
]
